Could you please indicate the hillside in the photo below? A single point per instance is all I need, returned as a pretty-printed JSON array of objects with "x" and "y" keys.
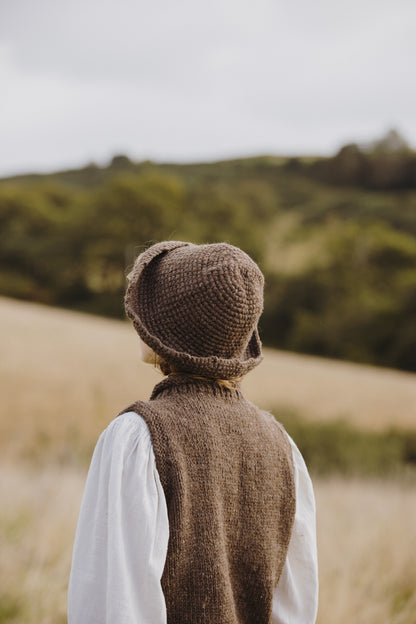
[
  {"x": 339, "y": 258},
  {"x": 65, "y": 375}
]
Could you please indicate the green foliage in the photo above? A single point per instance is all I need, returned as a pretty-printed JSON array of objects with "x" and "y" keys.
[
  {"x": 120, "y": 219},
  {"x": 336, "y": 447},
  {"x": 386, "y": 164},
  {"x": 36, "y": 243},
  {"x": 218, "y": 211},
  {"x": 340, "y": 263},
  {"x": 360, "y": 305}
]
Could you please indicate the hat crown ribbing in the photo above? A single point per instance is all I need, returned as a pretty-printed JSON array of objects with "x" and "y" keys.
[{"x": 197, "y": 306}]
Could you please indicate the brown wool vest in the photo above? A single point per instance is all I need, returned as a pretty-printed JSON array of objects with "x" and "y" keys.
[{"x": 227, "y": 473}]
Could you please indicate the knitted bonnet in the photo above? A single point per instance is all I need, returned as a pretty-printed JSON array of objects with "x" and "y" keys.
[{"x": 197, "y": 306}]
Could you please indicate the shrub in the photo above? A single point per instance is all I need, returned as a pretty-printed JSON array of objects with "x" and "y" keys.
[{"x": 336, "y": 447}]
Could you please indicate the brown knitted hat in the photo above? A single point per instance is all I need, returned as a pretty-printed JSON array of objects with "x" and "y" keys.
[{"x": 197, "y": 306}]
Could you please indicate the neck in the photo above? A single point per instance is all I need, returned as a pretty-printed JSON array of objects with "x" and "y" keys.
[
  {"x": 191, "y": 382},
  {"x": 229, "y": 384}
]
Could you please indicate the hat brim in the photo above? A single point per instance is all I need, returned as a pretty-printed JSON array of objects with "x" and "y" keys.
[{"x": 210, "y": 366}]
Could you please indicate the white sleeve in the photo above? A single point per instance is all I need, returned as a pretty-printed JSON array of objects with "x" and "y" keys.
[
  {"x": 122, "y": 535},
  {"x": 295, "y": 599}
]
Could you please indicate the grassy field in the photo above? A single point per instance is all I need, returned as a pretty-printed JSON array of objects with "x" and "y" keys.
[
  {"x": 64, "y": 376},
  {"x": 366, "y": 543}
]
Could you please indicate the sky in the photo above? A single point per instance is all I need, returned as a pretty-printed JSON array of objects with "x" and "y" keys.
[{"x": 191, "y": 80}]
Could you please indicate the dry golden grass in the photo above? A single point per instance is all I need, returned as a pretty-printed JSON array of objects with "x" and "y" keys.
[
  {"x": 366, "y": 544},
  {"x": 37, "y": 520},
  {"x": 367, "y": 552},
  {"x": 64, "y": 376}
]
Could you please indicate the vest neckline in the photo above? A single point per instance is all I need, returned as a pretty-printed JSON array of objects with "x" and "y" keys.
[{"x": 182, "y": 383}]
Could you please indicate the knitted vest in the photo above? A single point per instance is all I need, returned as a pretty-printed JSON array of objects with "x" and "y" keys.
[{"x": 227, "y": 474}]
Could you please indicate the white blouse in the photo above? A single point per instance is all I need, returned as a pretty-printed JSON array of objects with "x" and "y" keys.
[{"x": 122, "y": 537}]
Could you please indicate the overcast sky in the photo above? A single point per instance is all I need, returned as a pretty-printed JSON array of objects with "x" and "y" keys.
[{"x": 185, "y": 80}]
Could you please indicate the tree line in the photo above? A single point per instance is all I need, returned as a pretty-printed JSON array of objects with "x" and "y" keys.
[
  {"x": 340, "y": 264},
  {"x": 387, "y": 164}
]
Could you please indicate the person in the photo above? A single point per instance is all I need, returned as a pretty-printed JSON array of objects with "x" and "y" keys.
[{"x": 198, "y": 507}]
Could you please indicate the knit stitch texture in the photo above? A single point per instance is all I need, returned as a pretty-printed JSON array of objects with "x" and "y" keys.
[
  {"x": 227, "y": 474},
  {"x": 197, "y": 306}
]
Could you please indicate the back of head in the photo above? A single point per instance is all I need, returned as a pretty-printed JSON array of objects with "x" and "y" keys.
[{"x": 197, "y": 307}]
